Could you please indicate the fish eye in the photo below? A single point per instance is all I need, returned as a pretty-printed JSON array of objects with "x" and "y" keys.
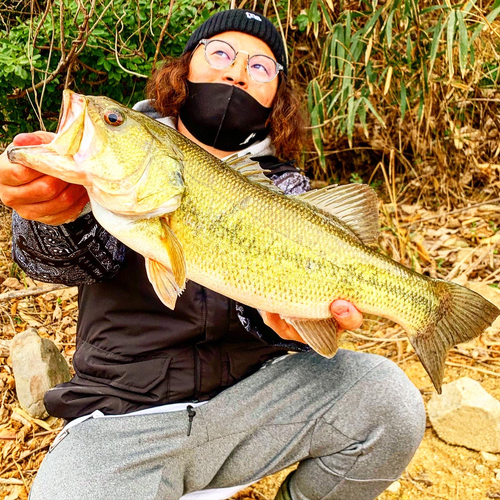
[{"x": 113, "y": 117}]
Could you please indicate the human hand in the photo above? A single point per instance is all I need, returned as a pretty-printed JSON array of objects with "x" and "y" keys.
[
  {"x": 346, "y": 315},
  {"x": 36, "y": 196}
]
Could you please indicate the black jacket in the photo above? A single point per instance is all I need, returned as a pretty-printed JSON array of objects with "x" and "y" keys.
[{"x": 133, "y": 352}]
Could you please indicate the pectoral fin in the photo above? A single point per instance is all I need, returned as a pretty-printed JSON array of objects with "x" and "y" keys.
[
  {"x": 320, "y": 334},
  {"x": 168, "y": 282},
  {"x": 163, "y": 281},
  {"x": 175, "y": 254}
]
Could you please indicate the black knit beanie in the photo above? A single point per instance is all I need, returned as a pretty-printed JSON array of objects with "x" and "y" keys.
[{"x": 245, "y": 21}]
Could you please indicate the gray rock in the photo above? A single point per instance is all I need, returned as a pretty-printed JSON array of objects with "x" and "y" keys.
[
  {"x": 465, "y": 414},
  {"x": 38, "y": 366}
]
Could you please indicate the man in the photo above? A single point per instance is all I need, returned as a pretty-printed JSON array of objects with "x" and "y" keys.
[{"x": 200, "y": 401}]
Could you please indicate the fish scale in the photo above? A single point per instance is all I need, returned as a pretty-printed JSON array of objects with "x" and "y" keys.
[
  {"x": 282, "y": 223},
  {"x": 223, "y": 226}
]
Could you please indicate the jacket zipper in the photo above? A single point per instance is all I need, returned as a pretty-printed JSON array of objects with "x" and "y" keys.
[{"x": 191, "y": 415}]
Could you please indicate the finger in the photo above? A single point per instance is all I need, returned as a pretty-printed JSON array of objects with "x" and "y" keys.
[
  {"x": 39, "y": 190},
  {"x": 347, "y": 316},
  {"x": 281, "y": 327},
  {"x": 33, "y": 139},
  {"x": 15, "y": 174},
  {"x": 66, "y": 206},
  {"x": 66, "y": 216}
]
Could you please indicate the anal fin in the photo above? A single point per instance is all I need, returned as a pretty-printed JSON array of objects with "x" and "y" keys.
[{"x": 319, "y": 334}]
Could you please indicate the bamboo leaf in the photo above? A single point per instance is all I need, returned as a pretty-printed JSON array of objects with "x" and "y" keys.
[
  {"x": 489, "y": 19},
  {"x": 463, "y": 43},
  {"x": 332, "y": 60},
  {"x": 469, "y": 5},
  {"x": 357, "y": 47},
  {"x": 388, "y": 79},
  {"x": 341, "y": 48},
  {"x": 388, "y": 29},
  {"x": 314, "y": 17},
  {"x": 333, "y": 102},
  {"x": 348, "y": 29},
  {"x": 368, "y": 51},
  {"x": 310, "y": 99},
  {"x": 433, "y": 8},
  {"x": 374, "y": 111},
  {"x": 317, "y": 137},
  {"x": 403, "y": 102},
  {"x": 450, "y": 35},
  {"x": 372, "y": 21},
  {"x": 326, "y": 15},
  {"x": 330, "y": 5},
  {"x": 347, "y": 83},
  {"x": 351, "y": 115},
  {"x": 438, "y": 30},
  {"x": 409, "y": 47},
  {"x": 318, "y": 99},
  {"x": 362, "y": 115},
  {"x": 421, "y": 107}
]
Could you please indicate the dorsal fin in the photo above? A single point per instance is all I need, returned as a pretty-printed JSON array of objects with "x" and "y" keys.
[
  {"x": 252, "y": 170},
  {"x": 354, "y": 204}
]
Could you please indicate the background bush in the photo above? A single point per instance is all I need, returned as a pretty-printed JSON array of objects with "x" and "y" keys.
[{"x": 400, "y": 92}]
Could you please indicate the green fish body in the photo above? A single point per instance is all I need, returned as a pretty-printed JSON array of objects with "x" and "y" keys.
[{"x": 224, "y": 226}]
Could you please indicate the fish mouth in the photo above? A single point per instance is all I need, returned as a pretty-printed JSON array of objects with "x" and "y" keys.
[
  {"x": 71, "y": 128},
  {"x": 57, "y": 158},
  {"x": 73, "y": 105}
]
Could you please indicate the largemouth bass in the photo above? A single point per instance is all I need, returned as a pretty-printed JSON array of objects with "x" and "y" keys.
[{"x": 224, "y": 226}]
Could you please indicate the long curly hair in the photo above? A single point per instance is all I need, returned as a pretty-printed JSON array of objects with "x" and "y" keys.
[{"x": 168, "y": 91}]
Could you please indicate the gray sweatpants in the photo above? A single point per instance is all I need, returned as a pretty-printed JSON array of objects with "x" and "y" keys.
[{"x": 353, "y": 422}]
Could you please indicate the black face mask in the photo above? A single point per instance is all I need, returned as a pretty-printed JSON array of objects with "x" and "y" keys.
[{"x": 224, "y": 116}]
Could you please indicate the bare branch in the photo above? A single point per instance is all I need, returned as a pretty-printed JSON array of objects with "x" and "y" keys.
[
  {"x": 162, "y": 34},
  {"x": 30, "y": 292}
]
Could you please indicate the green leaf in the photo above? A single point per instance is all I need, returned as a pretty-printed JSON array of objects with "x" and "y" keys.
[
  {"x": 301, "y": 21},
  {"x": 348, "y": 30},
  {"x": 388, "y": 29},
  {"x": 438, "y": 30},
  {"x": 420, "y": 113},
  {"x": 372, "y": 21},
  {"x": 326, "y": 15},
  {"x": 425, "y": 11},
  {"x": 351, "y": 115},
  {"x": 403, "y": 102},
  {"x": 489, "y": 18},
  {"x": 318, "y": 100},
  {"x": 463, "y": 43},
  {"x": 341, "y": 35},
  {"x": 469, "y": 5},
  {"x": 409, "y": 47},
  {"x": 362, "y": 115},
  {"x": 450, "y": 36},
  {"x": 317, "y": 138},
  {"x": 374, "y": 111}
]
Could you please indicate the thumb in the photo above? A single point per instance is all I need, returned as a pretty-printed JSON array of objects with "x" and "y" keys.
[
  {"x": 33, "y": 139},
  {"x": 347, "y": 316}
]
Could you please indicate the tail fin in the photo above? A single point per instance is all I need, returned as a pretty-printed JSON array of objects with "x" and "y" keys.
[{"x": 463, "y": 315}]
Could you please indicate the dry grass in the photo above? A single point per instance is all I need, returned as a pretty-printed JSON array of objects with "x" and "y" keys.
[{"x": 461, "y": 244}]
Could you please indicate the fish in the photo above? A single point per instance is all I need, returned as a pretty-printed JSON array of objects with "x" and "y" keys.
[{"x": 225, "y": 226}]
